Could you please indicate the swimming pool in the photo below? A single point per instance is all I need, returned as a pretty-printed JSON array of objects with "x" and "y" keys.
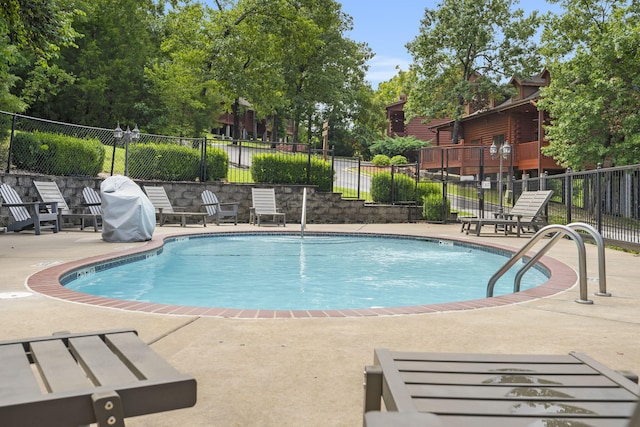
[{"x": 286, "y": 272}]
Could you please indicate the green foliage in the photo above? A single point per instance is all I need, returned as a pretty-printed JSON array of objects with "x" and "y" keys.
[
  {"x": 278, "y": 169},
  {"x": 435, "y": 207},
  {"x": 165, "y": 162},
  {"x": 465, "y": 53},
  {"x": 403, "y": 146},
  {"x": 54, "y": 154},
  {"x": 398, "y": 160},
  {"x": 425, "y": 189},
  {"x": 381, "y": 160},
  {"x": 217, "y": 164},
  {"x": 404, "y": 187},
  {"x": 592, "y": 99}
]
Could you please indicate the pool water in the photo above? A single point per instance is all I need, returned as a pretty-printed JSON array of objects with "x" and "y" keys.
[{"x": 288, "y": 272}]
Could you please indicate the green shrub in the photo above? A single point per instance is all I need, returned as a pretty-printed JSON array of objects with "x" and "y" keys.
[
  {"x": 164, "y": 162},
  {"x": 432, "y": 207},
  {"x": 55, "y": 154},
  {"x": 381, "y": 160},
  {"x": 425, "y": 189},
  {"x": 404, "y": 187},
  {"x": 391, "y": 146},
  {"x": 398, "y": 160},
  {"x": 217, "y": 165},
  {"x": 279, "y": 169}
]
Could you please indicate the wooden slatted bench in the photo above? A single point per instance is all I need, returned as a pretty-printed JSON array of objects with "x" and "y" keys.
[
  {"x": 497, "y": 390},
  {"x": 78, "y": 379}
]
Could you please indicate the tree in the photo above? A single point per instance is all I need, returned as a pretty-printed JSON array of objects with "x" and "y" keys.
[
  {"x": 181, "y": 75},
  {"x": 118, "y": 40},
  {"x": 464, "y": 54},
  {"x": 593, "y": 98},
  {"x": 31, "y": 34}
]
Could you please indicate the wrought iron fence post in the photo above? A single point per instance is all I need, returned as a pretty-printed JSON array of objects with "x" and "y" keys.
[
  {"x": 203, "y": 160},
  {"x": 308, "y": 163},
  {"x": 393, "y": 193},
  {"x": 359, "y": 175},
  {"x": 568, "y": 194},
  {"x": 13, "y": 128},
  {"x": 599, "y": 198}
]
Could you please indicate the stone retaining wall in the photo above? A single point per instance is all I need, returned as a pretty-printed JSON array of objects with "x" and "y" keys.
[{"x": 322, "y": 207}]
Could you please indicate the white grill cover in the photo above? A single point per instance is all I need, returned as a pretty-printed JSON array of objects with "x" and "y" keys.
[{"x": 127, "y": 213}]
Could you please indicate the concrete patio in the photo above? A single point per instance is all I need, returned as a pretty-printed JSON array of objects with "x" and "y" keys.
[{"x": 309, "y": 372}]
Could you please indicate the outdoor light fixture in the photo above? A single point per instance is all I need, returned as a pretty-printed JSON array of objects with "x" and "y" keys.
[
  {"x": 128, "y": 135},
  {"x": 501, "y": 151}
]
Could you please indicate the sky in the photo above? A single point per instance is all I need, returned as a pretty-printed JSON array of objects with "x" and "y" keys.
[{"x": 387, "y": 26}]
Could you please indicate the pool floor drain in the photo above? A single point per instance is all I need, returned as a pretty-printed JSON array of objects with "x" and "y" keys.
[{"x": 11, "y": 295}]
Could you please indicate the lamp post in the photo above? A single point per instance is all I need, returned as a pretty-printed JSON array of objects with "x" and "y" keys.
[
  {"x": 128, "y": 135},
  {"x": 501, "y": 151}
]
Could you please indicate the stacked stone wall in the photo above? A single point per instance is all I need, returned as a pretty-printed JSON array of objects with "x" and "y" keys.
[{"x": 322, "y": 207}]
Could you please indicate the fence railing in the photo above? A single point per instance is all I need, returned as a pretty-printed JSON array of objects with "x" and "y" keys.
[{"x": 607, "y": 199}]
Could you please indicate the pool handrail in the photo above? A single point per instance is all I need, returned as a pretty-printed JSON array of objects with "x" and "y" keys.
[
  {"x": 560, "y": 230},
  {"x": 597, "y": 237}
]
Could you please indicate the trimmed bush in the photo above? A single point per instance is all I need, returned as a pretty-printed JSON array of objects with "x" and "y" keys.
[
  {"x": 425, "y": 189},
  {"x": 164, "y": 162},
  {"x": 217, "y": 164},
  {"x": 398, "y": 160},
  {"x": 278, "y": 169},
  {"x": 432, "y": 207},
  {"x": 381, "y": 160},
  {"x": 55, "y": 154},
  {"x": 404, "y": 187}
]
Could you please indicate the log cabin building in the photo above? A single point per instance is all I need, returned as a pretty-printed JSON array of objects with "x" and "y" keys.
[{"x": 515, "y": 120}]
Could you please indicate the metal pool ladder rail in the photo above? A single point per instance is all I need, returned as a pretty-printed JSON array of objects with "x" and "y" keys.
[{"x": 560, "y": 230}]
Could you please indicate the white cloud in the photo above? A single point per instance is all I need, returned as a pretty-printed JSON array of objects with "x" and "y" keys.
[{"x": 383, "y": 68}]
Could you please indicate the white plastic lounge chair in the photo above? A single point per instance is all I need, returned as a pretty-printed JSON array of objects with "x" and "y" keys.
[
  {"x": 502, "y": 390},
  {"x": 264, "y": 204},
  {"x": 50, "y": 192},
  {"x": 23, "y": 219},
  {"x": 526, "y": 212},
  {"x": 160, "y": 201},
  {"x": 221, "y": 212}
]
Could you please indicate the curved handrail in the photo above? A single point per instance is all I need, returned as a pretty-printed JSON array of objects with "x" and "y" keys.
[
  {"x": 303, "y": 219},
  {"x": 559, "y": 229},
  {"x": 597, "y": 237}
]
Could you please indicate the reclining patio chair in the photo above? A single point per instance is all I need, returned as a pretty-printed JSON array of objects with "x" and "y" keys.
[
  {"x": 50, "y": 192},
  {"x": 508, "y": 390},
  {"x": 23, "y": 219},
  {"x": 221, "y": 212},
  {"x": 526, "y": 212},
  {"x": 165, "y": 209}
]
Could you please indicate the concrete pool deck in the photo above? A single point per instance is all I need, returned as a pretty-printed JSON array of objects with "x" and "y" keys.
[{"x": 309, "y": 372}]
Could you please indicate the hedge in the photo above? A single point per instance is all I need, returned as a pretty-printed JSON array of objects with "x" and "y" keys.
[
  {"x": 279, "y": 169},
  {"x": 55, "y": 154}
]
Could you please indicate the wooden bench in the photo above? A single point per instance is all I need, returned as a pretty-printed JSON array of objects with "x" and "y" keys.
[
  {"x": 78, "y": 379},
  {"x": 498, "y": 390}
]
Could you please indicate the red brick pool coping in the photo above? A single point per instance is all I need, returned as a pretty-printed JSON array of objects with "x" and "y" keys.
[{"x": 47, "y": 282}]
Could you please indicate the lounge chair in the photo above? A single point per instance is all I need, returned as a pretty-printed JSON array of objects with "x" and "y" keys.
[
  {"x": 264, "y": 204},
  {"x": 164, "y": 209},
  {"x": 50, "y": 192},
  {"x": 498, "y": 390},
  {"x": 221, "y": 212},
  {"x": 92, "y": 201},
  {"x": 79, "y": 379},
  {"x": 526, "y": 212},
  {"x": 23, "y": 219}
]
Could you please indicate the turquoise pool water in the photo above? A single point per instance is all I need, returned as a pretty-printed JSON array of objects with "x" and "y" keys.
[{"x": 287, "y": 272}]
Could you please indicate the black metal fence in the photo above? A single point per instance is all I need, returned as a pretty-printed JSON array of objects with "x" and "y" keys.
[{"x": 607, "y": 199}]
